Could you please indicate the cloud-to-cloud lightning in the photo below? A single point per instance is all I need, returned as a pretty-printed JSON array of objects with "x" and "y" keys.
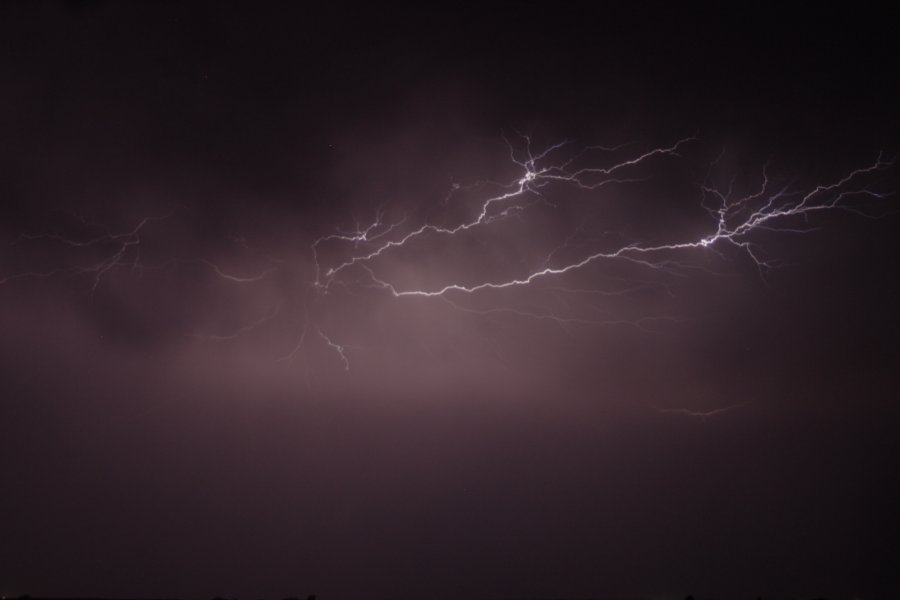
[
  {"x": 354, "y": 260},
  {"x": 736, "y": 219}
]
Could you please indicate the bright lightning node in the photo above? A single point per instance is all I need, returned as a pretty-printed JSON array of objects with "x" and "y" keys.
[{"x": 362, "y": 261}]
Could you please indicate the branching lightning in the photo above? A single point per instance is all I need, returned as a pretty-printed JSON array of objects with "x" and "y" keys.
[
  {"x": 352, "y": 260},
  {"x": 735, "y": 221}
]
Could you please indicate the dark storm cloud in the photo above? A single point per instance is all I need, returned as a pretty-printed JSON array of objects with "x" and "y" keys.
[{"x": 166, "y": 434}]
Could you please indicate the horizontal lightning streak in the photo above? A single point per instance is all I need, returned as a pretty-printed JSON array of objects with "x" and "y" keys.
[
  {"x": 703, "y": 414},
  {"x": 735, "y": 235},
  {"x": 734, "y": 221}
]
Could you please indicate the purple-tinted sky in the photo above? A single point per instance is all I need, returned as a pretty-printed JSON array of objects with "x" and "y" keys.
[{"x": 519, "y": 301}]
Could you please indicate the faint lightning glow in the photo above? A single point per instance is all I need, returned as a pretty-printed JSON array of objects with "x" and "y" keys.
[
  {"x": 117, "y": 249},
  {"x": 703, "y": 415}
]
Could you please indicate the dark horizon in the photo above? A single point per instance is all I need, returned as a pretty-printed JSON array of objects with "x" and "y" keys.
[{"x": 507, "y": 301}]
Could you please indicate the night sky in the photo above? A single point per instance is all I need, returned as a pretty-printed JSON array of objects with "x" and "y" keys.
[{"x": 508, "y": 301}]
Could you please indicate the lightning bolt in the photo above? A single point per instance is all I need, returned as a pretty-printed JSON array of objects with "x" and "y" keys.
[
  {"x": 520, "y": 194},
  {"x": 734, "y": 221},
  {"x": 734, "y": 224},
  {"x": 354, "y": 260}
]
